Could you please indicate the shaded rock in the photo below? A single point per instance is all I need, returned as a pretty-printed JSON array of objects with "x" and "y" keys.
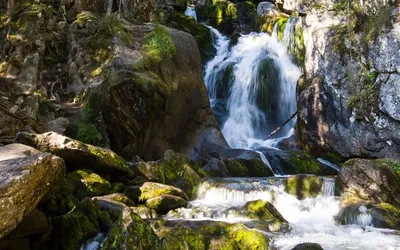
[
  {"x": 58, "y": 125},
  {"x": 152, "y": 189},
  {"x": 117, "y": 187},
  {"x": 166, "y": 202},
  {"x": 35, "y": 222},
  {"x": 16, "y": 150},
  {"x": 116, "y": 197},
  {"x": 146, "y": 169},
  {"x": 374, "y": 180},
  {"x": 88, "y": 183},
  {"x": 381, "y": 215},
  {"x": 303, "y": 186},
  {"x": 216, "y": 168},
  {"x": 267, "y": 9},
  {"x": 16, "y": 244},
  {"x": 23, "y": 184},
  {"x": 245, "y": 163},
  {"x": 308, "y": 246},
  {"x": 297, "y": 162},
  {"x": 75, "y": 153},
  {"x": 145, "y": 212},
  {"x": 133, "y": 192}
]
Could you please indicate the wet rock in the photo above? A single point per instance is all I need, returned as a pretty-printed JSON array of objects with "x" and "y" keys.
[
  {"x": 24, "y": 182},
  {"x": 75, "y": 153},
  {"x": 308, "y": 246},
  {"x": 166, "y": 202},
  {"x": 381, "y": 215},
  {"x": 303, "y": 186},
  {"x": 87, "y": 183},
  {"x": 296, "y": 162},
  {"x": 374, "y": 180},
  {"x": 245, "y": 163},
  {"x": 152, "y": 189}
]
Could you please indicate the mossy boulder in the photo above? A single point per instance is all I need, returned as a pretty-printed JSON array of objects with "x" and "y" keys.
[
  {"x": 133, "y": 192},
  {"x": 77, "y": 154},
  {"x": 303, "y": 186},
  {"x": 131, "y": 232},
  {"x": 369, "y": 180},
  {"x": 179, "y": 171},
  {"x": 308, "y": 246},
  {"x": 86, "y": 183},
  {"x": 152, "y": 189},
  {"x": 263, "y": 210},
  {"x": 166, "y": 202},
  {"x": 209, "y": 235},
  {"x": 382, "y": 215},
  {"x": 69, "y": 231}
]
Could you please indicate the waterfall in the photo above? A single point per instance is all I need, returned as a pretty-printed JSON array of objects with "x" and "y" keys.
[
  {"x": 251, "y": 88},
  {"x": 191, "y": 11}
]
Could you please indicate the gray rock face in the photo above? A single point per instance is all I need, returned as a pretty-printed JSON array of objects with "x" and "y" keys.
[
  {"x": 336, "y": 111},
  {"x": 265, "y": 8},
  {"x": 369, "y": 180},
  {"x": 23, "y": 184}
]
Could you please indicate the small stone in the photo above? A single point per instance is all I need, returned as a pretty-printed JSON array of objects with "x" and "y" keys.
[{"x": 13, "y": 109}]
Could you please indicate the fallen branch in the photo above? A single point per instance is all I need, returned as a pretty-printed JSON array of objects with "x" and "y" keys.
[{"x": 279, "y": 128}]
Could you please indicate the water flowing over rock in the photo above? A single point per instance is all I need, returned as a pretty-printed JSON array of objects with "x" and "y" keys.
[{"x": 23, "y": 183}]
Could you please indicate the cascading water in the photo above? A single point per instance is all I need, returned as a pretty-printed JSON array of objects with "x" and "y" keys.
[
  {"x": 251, "y": 87},
  {"x": 311, "y": 219}
]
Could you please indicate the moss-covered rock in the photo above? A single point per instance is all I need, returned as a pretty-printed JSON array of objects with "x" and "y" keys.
[
  {"x": 179, "y": 171},
  {"x": 85, "y": 183},
  {"x": 131, "y": 232},
  {"x": 116, "y": 197},
  {"x": 145, "y": 212},
  {"x": 248, "y": 239},
  {"x": 263, "y": 210},
  {"x": 303, "y": 186},
  {"x": 166, "y": 202},
  {"x": 69, "y": 231},
  {"x": 200, "y": 32},
  {"x": 152, "y": 189},
  {"x": 184, "y": 239}
]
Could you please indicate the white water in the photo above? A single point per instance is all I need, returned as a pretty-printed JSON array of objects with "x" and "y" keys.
[
  {"x": 191, "y": 11},
  {"x": 247, "y": 123},
  {"x": 311, "y": 220}
]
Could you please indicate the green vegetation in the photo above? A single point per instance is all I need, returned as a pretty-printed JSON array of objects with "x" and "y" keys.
[
  {"x": 304, "y": 163},
  {"x": 159, "y": 45},
  {"x": 87, "y": 183},
  {"x": 303, "y": 186}
]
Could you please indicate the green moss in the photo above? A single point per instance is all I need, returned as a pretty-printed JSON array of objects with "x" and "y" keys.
[
  {"x": 117, "y": 187},
  {"x": 200, "y": 32},
  {"x": 248, "y": 239},
  {"x": 299, "y": 47},
  {"x": 303, "y": 186},
  {"x": 304, "y": 163},
  {"x": 181, "y": 172},
  {"x": 159, "y": 45},
  {"x": 394, "y": 164},
  {"x": 237, "y": 168},
  {"x": 281, "y": 27},
  {"x": 88, "y": 183},
  {"x": 110, "y": 158},
  {"x": 88, "y": 133},
  {"x": 185, "y": 239}
]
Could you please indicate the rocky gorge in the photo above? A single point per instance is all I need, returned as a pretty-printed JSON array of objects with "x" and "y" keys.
[{"x": 127, "y": 125}]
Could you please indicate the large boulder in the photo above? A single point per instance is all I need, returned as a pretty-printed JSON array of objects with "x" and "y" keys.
[
  {"x": 24, "y": 182},
  {"x": 348, "y": 105},
  {"x": 166, "y": 202},
  {"x": 369, "y": 180},
  {"x": 75, "y": 153},
  {"x": 163, "y": 104},
  {"x": 86, "y": 183}
]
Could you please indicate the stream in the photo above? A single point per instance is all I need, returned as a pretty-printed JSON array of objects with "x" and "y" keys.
[{"x": 251, "y": 87}]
